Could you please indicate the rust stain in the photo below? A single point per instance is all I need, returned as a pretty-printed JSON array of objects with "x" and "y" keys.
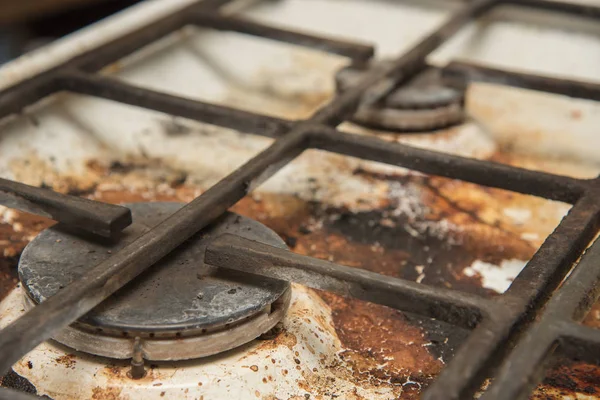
[
  {"x": 34, "y": 170},
  {"x": 381, "y": 336},
  {"x": 380, "y": 352},
  {"x": 110, "y": 393},
  {"x": 117, "y": 373},
  {"x": 68, "y": 360},
  {"x": 16, "y": 230},
  {"x": 113, "y": 370},
  {"x": 569, "y": 379}
]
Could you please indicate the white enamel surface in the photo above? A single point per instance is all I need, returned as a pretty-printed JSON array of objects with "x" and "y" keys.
[
  {"x": 238, "y": 374},
  {"x": 496, "y": 277}
]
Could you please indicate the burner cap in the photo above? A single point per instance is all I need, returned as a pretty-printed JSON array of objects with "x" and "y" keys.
[{"x": 180, "y": 307}]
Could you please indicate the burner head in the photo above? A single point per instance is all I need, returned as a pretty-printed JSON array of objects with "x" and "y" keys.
[
  {"x": 424, "y": 103},
  {"x": 181, "y": 308}
]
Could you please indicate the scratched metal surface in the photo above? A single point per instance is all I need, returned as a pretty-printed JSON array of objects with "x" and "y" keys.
[{"x": 428, "y": 229}]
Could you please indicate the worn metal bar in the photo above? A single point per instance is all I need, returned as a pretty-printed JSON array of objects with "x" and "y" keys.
[
  {"x": 113, "y": 89},
  {"x": 41, "y": 322},
  {"x": 481, "y": 172},
  {"x": 545, "y": 271},
  {"x": 566, "y": 7},
  {"x": 524, "y": 367},
  {"x": 89, "y": 215},
  {"x": 356, "y": 51},
  {"x": 375, "y": 86},
  {"x": 235, "y": 252},
  {"x": 461, "y": 74},
  {"x": 486, "y": 345},
  {"x": 14, "y": 100}
]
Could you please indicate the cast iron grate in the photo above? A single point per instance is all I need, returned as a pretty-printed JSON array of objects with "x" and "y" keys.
[{"x": 506, "y": 343}]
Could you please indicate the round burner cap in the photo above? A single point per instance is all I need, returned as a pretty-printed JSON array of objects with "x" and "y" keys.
[{"x": 180, "y": 297}]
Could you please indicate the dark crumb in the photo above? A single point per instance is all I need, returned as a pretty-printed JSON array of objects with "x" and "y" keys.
[
  {"x": 30, "y": 364},
  {"x": 303, "y": 229},
  {"x": 119, "y": 167},
  {"x": 561, "y": 381},
  {"x": 290, "y": 241},
  {"x": 178, "y": 180},
  {"x": 589, "y": 390}
]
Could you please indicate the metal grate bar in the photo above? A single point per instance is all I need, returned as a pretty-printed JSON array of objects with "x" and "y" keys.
[
  {"x": 571, "y": 301},
  {"x": 481, "y": 172},
  {"x": 552, "y": 261},
  {"x": 461, "y": 73},
  {"x": 112, "y": 89},
  {"x": 15, "y": 99},
  {"x": 482, "y": 348},
  {"x": 235, "y": 252},
  {"x": 88, "y": 215},
  {"x": 356, "y": 51}
]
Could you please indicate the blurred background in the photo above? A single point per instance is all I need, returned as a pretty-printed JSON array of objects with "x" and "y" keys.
[{"x": 28, "y": 24}]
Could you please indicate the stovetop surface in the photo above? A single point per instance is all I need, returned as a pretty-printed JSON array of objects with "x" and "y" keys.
[{"x": 433, "y": 230}]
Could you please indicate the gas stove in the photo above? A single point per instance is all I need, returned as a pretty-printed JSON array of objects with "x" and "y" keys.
[{"x": 305, "y": 199}]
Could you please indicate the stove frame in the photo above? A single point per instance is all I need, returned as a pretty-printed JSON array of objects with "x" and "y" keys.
[{"x": 512, "y": 334}]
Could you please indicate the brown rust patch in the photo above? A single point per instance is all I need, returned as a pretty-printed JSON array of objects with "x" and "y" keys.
[
  {"x": 118, "y": 373},
  {"x": 376, "y": 336},
  {"x": 110, "y": 393},
  {"x": 331, "y": 384},
  {"x": 68, "y": 360},
  {"x": 284, "y": 338},
  {"x": 15, "y": 232},
  {"x": 34, "y": 170},
  {"x": 113, "y": 371},
  {"x": 568, "y": 378}
]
